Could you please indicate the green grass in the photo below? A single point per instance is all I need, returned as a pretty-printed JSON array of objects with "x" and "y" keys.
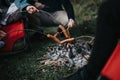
[{"x": 24, "y": 66}]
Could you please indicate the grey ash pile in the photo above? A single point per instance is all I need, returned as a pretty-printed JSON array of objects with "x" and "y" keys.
[{"x": 73, "y": 54}]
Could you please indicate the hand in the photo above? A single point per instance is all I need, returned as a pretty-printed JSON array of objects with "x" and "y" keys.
[
  {"x": 31, "y": 9},
  {"x": 1, "y": 10},
  {"x": 71, "y": 23},
  {"x": 39, "y": 5},
  {"x": 2, "y": 34}
]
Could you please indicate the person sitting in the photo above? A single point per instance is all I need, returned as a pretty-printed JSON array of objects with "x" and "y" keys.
[
  {"x": 10, "y": 11},
  {"x": 50, "y": 13},
  {"x": 55, "y": 9}
]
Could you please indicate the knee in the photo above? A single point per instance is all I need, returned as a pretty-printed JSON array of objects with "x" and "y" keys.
[
  {"x": 64, "y": 21},
  {"x": 61, "y": 17}
]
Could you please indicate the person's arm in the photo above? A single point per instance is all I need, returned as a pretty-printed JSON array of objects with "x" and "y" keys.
[
  {"x": 69, "y": 9},
  {"x": 32, "y": 1},
  {"x": 70, "y": 12}
]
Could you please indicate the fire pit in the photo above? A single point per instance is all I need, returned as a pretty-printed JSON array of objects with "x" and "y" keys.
[{"x": 73, "y": 54}]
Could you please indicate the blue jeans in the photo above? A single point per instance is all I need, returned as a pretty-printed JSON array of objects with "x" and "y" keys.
[{"x": 2, "y": 44}]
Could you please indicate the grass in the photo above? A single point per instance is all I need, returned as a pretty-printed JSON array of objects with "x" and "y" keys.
[{"x": 24, "y": 66}]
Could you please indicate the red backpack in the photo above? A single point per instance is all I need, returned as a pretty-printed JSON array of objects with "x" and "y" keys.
[{"x": 14, "y": 32}]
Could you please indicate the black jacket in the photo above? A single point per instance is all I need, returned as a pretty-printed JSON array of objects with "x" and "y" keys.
[
  {"x": 4, "y": 6},
  {"x": 5, "y": 3},
  {"x": 56, "y": 5}
]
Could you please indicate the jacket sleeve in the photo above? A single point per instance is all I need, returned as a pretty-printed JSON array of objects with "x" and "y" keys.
[
  {"x": 21, "y": 4},
  {"x": 32, "y": 1},
  {"x": 69, "y": 9}
]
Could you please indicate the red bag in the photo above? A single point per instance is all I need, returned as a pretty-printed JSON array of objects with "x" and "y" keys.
[
  {"x": 15, "y": 31},
  {"x": 112, "y": 67}
]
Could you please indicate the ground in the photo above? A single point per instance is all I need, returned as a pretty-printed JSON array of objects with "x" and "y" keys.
[{"x": 24, "y": 66}]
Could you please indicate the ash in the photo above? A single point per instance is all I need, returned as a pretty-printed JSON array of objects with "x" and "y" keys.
[{"x": 73, "y": 54}]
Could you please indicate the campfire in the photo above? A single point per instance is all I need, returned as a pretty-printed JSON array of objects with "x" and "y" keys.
[
  {"x": 70, "y": 52},
  {"x": 75, "y": 54}
]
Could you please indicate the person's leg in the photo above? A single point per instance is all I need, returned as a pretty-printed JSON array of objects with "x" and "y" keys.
[
  {"x": 40, "y": 19},
  {"x": 55, "y": 18},
  {"x": 61, "y": 17},
  {"x": 43, "y": 18},
  {"x": 105, "y": 42},
  {"x": 34, "y": 22}
]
